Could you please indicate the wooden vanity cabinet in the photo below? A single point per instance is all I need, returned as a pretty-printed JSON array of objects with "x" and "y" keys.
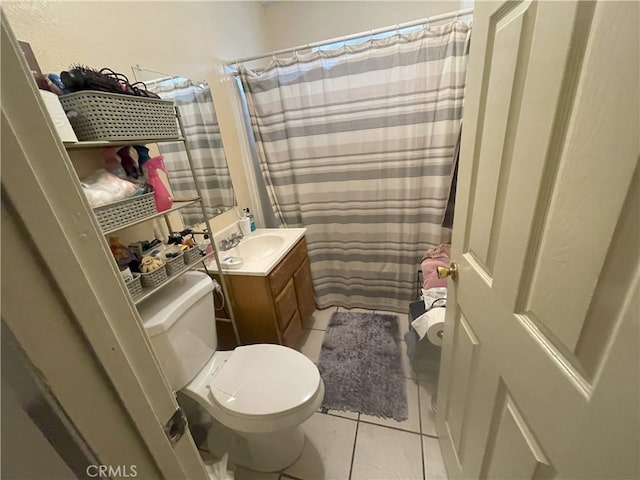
[{"x": 274, "y": 308}]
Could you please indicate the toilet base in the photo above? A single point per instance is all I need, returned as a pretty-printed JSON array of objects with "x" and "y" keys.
[{"x": 263, "y": 452}]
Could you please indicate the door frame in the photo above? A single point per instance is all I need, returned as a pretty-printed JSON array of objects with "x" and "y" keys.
[{"x": 45, "y": 204}]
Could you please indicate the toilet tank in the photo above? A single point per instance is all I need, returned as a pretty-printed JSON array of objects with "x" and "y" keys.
[{"x": 180, "y": 320}]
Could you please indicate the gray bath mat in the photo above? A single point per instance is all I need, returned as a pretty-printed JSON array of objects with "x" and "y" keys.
[{"x": 361, "y": 365}]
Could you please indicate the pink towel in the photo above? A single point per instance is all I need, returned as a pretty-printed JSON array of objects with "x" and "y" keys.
[
  {"x": 439, "y": 256},
  {"x": 429, "y": 274},
  {"x": 441, "y": 251}
]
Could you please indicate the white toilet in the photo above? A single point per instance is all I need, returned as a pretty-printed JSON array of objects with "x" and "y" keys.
[{"x": 257, "y": 395}]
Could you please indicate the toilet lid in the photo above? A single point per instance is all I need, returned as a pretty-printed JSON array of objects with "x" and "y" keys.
[{"x": 264, "y": 379}]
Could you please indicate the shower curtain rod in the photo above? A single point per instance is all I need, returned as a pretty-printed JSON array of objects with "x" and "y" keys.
[
  {"x": 398, "y": 26},
  {"x": 162, "y": 78}
]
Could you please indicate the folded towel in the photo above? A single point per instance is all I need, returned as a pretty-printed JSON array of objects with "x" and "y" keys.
[
  {"x": 429, "y": 273},
  {"x": 441, "y": 251},
  {"x": 433, "y": 258}
]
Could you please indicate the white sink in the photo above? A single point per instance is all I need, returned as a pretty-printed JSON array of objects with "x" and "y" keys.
[
  {"x": 252, "y": 249},
  {"x": 258, "y": 253}
]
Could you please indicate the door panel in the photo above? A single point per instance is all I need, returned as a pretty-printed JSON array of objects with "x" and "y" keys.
[
  {"x": 512, "y": 449},
  {"x": 466, "y": 346},
  {"x": 501, "y": 92},
  {"x": 607, "y": 304},
  {"x": 535, "y": 361}
]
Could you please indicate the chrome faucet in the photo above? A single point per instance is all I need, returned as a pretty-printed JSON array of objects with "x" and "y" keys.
[{"x": 231, "y": 241}]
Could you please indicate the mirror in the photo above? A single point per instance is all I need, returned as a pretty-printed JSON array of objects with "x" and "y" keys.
[{"x": 195, "y": 103}]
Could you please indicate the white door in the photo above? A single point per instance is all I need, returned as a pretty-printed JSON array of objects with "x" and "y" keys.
[
  {"x": 540, "y": 364},
  {"x": 64, "y": 303}
]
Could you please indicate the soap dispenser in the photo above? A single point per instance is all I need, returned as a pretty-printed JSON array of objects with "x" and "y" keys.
[{"x": 249, "y": 215}]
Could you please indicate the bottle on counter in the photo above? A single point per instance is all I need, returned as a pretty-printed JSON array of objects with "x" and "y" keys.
[{"x": 249, "y": 215}]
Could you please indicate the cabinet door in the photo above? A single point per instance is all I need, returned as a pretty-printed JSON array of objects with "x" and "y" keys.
[
  {"x": 292, "y": 336},
  {"x": 282, "y": 273},
  {"x": 286, "y": 305},
  {"x": 304, "y": 292}
]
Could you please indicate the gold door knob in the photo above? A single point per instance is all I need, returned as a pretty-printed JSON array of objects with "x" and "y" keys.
[{"x": 451, "y": 271}]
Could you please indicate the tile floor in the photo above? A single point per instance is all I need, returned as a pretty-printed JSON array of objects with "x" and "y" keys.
[{"x": 348, "y": 445}]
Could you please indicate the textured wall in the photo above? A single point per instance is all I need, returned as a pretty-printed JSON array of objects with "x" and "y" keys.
[{"x": 292, "y": 23}]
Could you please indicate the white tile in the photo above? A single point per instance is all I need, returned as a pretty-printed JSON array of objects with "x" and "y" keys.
[
  {"x": 343, "y": 414},
  {"x": 406, "y": 364},
  {"x": 412, "y": 423},
  {"x": 427, "y": 417},
  {"x": 428, "y": 361},
  {"x": 312, "y": 344},
  {"x": 242, "y": 473},
  {"x": 320, "y": 318},
  {"x": 327, "y": 450},
  {"x": 384, "y": 453},
  {"x": 403, "y": 321},
  {"x": 433, "y": 463}
]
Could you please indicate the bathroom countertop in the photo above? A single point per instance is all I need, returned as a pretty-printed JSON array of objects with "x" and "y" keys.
[{"x": 263, "y": 267}]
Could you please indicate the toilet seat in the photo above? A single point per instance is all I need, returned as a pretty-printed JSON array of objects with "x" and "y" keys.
[
  {"x": 264, "y": 380},
  {"x": 258, "y": 388}
]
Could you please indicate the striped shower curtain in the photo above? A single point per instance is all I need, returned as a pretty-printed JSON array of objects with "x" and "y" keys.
[
  {"x": 204, "y": 139},
  {"x": 356, "y": 144}
]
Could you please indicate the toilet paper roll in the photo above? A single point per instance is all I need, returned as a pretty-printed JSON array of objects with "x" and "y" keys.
[
  {"x": 431, "y": 325},
  {"x": 435, "y": 326},
  {"x": 58, "y": 117}
]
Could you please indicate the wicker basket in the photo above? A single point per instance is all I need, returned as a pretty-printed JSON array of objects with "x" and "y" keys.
[
  {"x": 112, "y": 116},
  {"x": 174, "y": 265},
  {"x": 123, "y": 212},
  {"x": 155, "y": 278},
  {"x": 134, "y": 286},
  {"x": 192, "y": 255}
]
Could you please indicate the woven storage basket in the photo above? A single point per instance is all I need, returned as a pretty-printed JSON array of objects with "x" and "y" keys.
[
  {"x": 192, "y": 255},
  {"x": 134, "y": 286},
  {"x": 112, "y": 116},
  {"x": 155, "y": 278},
  {"x": 174, "y": 265},
  {"x": 123, "y": 212}
]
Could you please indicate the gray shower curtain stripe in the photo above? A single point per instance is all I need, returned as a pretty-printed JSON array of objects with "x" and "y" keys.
[
  {"x": 378, "y": 161},
  {"x": 185, "y": 184},
  {"x": 292, "y": 130},
  {"x": 356, "y": 144},
  {"x": 356, "y": 206},
  {"x": 202, "y": 143},
  {"x": 346, "y": 111},
  {"x": 203, "y": 136},
  {"x": 430, "y": 86},
  {"x": 400, "y": 96},
  {"x": 399, "y": 56},
  {"x": 398, "y": 171},
  {"x": 353, "y": 152}
]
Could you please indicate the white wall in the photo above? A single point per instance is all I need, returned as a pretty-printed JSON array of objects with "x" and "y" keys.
[{"x": 289, "y": 24}]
